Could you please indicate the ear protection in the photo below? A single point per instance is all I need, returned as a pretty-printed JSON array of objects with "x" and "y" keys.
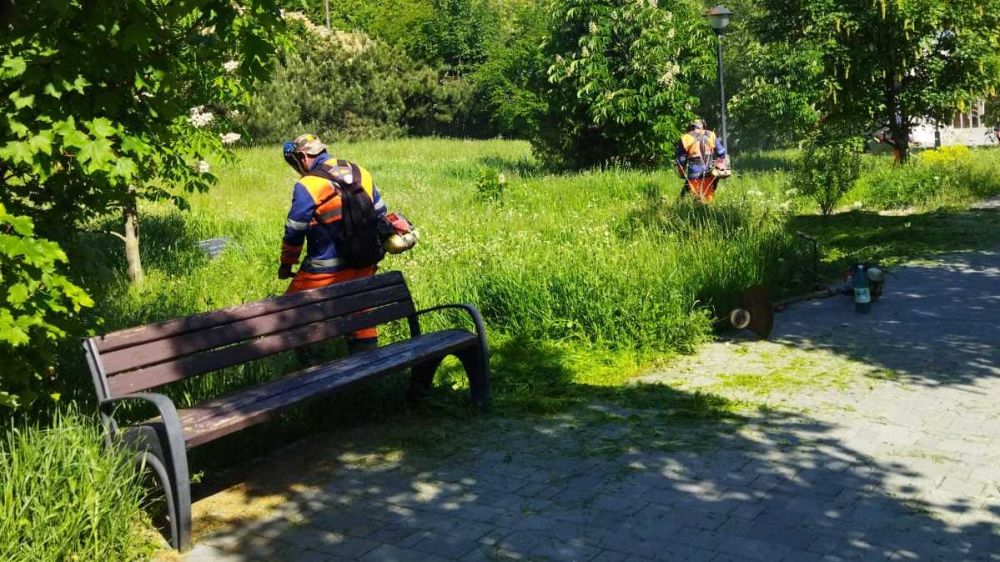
[{"x": 295, "y": 159}]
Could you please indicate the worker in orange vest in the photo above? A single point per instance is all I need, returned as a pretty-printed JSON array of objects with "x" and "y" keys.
[
  {"x": 701, "y": 160},
  {"x": 315, "y": 220}
]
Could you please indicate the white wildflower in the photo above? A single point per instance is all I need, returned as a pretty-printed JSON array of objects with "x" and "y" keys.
[
  {"x": 501, "y": 178},
  {"x": 230, "y": 138},
  {"x": 754, "y": 193},
  {"x": 199, "y": 117},
  {"x": 654, "y": 3},
  {"x": 234, "y": 114},
  {"x": 230, "y": 65},
  {"x": 203, "y": 167},
  {"x": 592, "y": 26}
]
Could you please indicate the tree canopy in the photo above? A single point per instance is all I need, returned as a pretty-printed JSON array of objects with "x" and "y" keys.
[{"x": 886, "y": 64}]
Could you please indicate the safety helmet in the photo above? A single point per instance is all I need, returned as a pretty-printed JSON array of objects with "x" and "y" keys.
[{"x": 296, "y": 150}]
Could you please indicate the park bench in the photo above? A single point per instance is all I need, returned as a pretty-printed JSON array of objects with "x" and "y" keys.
[{"x": 127, "y": 364}]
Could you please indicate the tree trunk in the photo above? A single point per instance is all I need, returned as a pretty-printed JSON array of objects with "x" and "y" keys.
[
  {"x": 899, "y": 122},
  {"x": 131, "y": 212}
]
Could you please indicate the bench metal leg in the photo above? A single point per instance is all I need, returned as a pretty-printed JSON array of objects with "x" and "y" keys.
[
  {"x": 422, "y": 377},
  {"x": 149, "y": 461},
  {"x": 477, "y": 368},
  {"x": 152, "y": 445}
]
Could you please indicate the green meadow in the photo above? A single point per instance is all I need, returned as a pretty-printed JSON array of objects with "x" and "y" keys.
[{"x": 609, "y": 262}]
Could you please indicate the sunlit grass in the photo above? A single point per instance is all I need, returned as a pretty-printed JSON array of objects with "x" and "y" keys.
[{"x": 65, "y": 496}]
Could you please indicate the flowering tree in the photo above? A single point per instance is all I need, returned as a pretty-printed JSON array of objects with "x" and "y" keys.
[
  {"x": 107, "y": 103},
  {"x": 620, "y": 79}
]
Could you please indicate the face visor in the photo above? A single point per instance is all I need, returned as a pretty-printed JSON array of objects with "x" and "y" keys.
[{"x": 295, "y": 159}]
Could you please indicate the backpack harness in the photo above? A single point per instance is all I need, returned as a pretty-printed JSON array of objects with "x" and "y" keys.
[{"x": 359, "y": 241}]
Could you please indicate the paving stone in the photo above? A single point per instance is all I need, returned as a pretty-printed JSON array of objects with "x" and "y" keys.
[
  {"x": 447, "y": 546},
  {"x": 609, "y": 556},
  {"x": 206, "y": 553},
  {"x": 342, "y": 545},
  {"x": 390, "y": 553}
]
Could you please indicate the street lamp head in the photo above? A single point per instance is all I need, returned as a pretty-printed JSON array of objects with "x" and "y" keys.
[{"x": 718, "y": 18}]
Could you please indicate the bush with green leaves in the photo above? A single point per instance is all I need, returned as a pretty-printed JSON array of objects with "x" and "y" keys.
[
  {"x": 827, "y": 170},
  {"x": 37, "y": 309},
  {"x": 64, "y": 495},
  {"x": 620, "y": 81}
]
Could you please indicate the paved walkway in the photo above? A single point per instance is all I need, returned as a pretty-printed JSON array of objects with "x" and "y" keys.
[{"x": 845, "y": 437}]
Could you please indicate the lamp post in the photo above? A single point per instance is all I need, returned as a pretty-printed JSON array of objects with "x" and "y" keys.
[{"x": 718, "y": 17}]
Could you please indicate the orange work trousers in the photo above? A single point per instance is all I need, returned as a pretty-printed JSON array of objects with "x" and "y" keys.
[
  {"x": 304, "y": 280},
  {"x": 702, "y": 188}
]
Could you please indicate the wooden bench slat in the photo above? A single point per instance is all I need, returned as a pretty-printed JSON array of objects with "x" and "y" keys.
[
  {"x": 150, "y": 353},
  {"x": 170, "y": 371},
  {"x": 211, "y": 420},
  {"x": 160, "y": 330}
]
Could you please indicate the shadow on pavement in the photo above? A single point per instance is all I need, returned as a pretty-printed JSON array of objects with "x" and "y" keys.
[
  {"x": 935, "y": 325},
  {"x": 602, "y": 481}
]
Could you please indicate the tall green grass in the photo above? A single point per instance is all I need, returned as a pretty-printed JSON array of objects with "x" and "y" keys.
[
  {"x": 606, "y": 261},
  {"x": 64, "y": 496},
  {"x": 607, "y": 258}
]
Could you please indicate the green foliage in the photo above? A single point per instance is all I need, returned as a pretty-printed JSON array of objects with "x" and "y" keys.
[
  {"x": 947, "y": 177},
  {"x": 490, "y": 185},
  {"x": 619, "y": 82},
  {"x": 100, "y": 97},
  {"x": 827, "y": 170},
  {"x": 886, "y": 63},
  {"x": 65, "y": 496},
  {"x": 778, "y": 86},
  {"x": 345, "y": 86},
  {"x": 455, "y": 34},
  {"x": 36, "y": 310},
  {"x": 338, "y": 85},
  {"x": 513, "y": 79}
]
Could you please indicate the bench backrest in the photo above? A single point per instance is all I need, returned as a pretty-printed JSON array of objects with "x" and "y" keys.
[{"x": 149, "y": 356}]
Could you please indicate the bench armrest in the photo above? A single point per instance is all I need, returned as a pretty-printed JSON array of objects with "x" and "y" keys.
[
  {"x": 477, "y": 319},
  {"x": 168, "y": 413},
  {"x": 164, "y": 406}
]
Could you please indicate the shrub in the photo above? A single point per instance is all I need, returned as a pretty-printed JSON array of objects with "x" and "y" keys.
[
  {"x": 36, "y": 311},
  {"x": 827, "y": 170},
  {"x": 65, "y": 496},
  {"x": 339, "y": 85},
  {"x": 490, "y": 185},
  {"x": 620, "y": 77}
]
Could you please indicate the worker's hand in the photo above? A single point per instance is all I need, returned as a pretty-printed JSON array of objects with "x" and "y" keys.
[{"x": 285, "y": 272}]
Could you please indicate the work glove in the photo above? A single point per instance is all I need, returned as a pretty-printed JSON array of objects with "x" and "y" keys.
[{"x": 285, "y": 272}]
